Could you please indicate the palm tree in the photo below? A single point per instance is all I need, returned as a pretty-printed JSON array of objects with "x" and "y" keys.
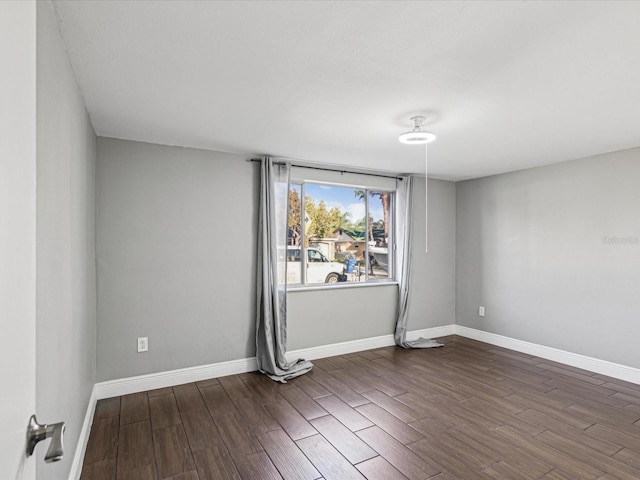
[
  {"x": 345, "y": 221},
  {"x": 384, "y": 198}
]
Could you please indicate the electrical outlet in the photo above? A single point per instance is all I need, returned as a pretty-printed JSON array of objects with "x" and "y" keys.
[
  {"x": 481, "y": 311},
  {"x": 143, "y": 344}
]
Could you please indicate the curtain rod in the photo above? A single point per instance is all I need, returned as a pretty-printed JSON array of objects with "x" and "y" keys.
[{"x": 397, "y": 177}]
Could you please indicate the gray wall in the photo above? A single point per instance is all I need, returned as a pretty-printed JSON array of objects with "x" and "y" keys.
[
  {"x": 554, "y": 255},
  {"x": 176, "y": 255},
  {"x": 432, "y": 302},
  {"x": 176, "y": 245},
  {"x": 323, "y": 317},
  {"x": 65, "y": 244}
]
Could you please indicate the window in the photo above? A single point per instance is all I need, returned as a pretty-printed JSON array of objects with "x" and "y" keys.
[{"x": 346, "y": 232}]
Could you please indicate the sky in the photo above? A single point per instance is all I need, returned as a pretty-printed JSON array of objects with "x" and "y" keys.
[{"x": 345, "y": 200}]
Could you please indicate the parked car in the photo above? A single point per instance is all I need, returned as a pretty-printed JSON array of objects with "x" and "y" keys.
[{"x": 319, "y": 268}]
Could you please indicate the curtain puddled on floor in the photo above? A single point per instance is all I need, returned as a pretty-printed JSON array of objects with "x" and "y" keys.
[
  {"x": 271, "y": 318},
  {"x": 404, "y": 192}
]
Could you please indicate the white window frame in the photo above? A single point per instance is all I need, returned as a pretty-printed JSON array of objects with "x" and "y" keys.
[{"x": 364, "y": 183}]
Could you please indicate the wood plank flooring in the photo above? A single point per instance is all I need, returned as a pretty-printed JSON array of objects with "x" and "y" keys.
[{"x": 468, "y": 410}]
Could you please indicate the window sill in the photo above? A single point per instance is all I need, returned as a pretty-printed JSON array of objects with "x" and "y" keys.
[{"x": 338, "y": 286}]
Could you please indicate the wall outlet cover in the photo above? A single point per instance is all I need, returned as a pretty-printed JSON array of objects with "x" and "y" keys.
[
  {"x": 481, "y": 311},
  {"x": 143, "y": 344}
]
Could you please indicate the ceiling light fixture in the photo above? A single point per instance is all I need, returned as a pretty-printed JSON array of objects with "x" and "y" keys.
[{"x": 419, "y": 136}]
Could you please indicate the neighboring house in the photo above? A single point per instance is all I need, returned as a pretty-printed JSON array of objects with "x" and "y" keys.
[
  {"x": 341, "y": 242},
  {"x": 350, "y": 241}
]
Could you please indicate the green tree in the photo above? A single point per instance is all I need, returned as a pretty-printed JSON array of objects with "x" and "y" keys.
[
  {"x": 323, "y": 222},
  {"x": 294, "y": 224}
]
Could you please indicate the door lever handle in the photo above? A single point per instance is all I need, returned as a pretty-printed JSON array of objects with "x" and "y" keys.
[{"x": 37, "y": 432}]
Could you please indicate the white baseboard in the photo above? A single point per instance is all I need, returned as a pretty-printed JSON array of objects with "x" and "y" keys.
[
  {"x": 152, "y": 381},
  {"x": 596, "y": 365},
  {"x": 365, "y": 344},
  {"x": 83, "y": 439},
  {"x": 142, "y": 383}
]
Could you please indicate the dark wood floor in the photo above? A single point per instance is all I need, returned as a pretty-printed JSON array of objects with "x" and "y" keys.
[{"x": 468, "y": 410}]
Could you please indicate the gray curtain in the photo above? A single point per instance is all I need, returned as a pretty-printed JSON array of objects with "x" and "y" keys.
[
  {"x": 271, "y": 318},
  {"x": 404, "y": 192}
]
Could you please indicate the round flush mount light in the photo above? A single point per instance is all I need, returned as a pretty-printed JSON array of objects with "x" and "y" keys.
[{"x": 417, "y": 136}]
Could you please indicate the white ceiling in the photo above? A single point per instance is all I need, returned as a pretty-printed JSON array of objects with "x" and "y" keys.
[{"x": 505, "y": 85}]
